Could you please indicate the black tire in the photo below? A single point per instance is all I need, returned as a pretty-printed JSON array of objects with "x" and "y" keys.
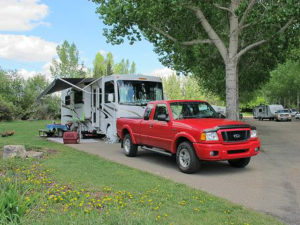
[
  {"x": 186, "y": 158},
  {"x": 239, "y": 163},
  {"x": 129, "y": 148}
]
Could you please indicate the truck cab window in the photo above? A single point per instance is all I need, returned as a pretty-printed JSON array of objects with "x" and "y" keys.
[
  {"x": 148, "y": 112},
  {"x": 109, "y": 88},
  {"x": 68, "y": 100},
  {"x": 159, "y": 110},
  {"x": 78, "y": 97}
]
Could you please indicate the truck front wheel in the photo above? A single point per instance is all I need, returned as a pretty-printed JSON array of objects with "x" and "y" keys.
[
  {"x": 186, "y": 158},
  {"x": 239, "y": 163},
  {"x": 130, "y": 149}
]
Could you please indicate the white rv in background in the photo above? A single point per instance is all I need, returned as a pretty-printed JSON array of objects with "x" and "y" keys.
[
  {"x": 262, "y": 112},
  {"x": 95, "y": 104}
]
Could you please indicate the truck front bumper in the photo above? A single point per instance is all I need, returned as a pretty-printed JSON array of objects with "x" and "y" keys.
[{"x": 226, "y": 151}]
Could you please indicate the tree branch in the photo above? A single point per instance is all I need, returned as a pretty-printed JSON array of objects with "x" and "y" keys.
[
  {"x": 251, "y": 46},
  {"x": 249, "y": 7},
  {"x": 213, "y": 36},
  {"x": 282, "y": 29},
  {"x": 186, "y": 43},
  {"x": 224, "y": 8}
]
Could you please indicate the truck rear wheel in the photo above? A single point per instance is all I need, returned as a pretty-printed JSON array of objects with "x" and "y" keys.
[
  {"x": 239, "y": 163},
  {"x": 186, "y": 158},
  {"x": 130, "y": 149}
]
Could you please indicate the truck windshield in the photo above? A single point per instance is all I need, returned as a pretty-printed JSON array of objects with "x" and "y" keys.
[
  {"x": 190, "y": 110},
  {"x": 134, "y": 92},
  {"x": 283, "y": 111}
]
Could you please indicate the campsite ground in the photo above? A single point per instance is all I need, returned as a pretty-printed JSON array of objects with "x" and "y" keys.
[
  {"x": 66, "y": 188},
  {"x": 269, "y": 184}
]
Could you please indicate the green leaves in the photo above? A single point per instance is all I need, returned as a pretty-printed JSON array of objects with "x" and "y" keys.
[
  {"x": 68, "y": 64},
  {"x": 167, "y": 23}
]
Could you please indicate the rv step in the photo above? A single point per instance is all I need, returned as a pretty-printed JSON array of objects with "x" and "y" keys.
[{"x": 157, "y": 150}]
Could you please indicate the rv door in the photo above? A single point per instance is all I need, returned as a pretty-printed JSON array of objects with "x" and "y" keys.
[{"x": 95, "y": 106}]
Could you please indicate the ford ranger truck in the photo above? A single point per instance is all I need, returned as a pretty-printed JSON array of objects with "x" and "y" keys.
[{"x": 190, "y": 130}]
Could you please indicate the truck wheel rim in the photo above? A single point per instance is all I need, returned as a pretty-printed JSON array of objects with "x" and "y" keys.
[
  {"x": 127, "y": 145},
  {"x": 184, "y": 158}
]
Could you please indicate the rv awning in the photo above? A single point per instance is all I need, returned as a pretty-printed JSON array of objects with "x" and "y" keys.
[{"x": 60, "y": 84}]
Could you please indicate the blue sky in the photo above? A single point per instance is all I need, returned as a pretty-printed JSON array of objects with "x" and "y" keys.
[{"x": 35, "y": 27}]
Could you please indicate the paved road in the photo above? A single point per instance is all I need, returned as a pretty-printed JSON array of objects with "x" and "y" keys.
[{"x": 270, "y": 183}]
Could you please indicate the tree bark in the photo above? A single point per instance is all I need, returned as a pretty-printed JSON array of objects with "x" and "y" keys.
[{"x": 231, "y": 91}]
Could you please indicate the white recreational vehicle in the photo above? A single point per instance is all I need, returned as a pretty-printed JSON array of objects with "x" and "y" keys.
[
  {"x": 262, "y": 112},
  {"x": 94, "y": 104}
]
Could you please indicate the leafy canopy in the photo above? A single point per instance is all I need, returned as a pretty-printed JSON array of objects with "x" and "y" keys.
[{"x": 182, "y": 44}]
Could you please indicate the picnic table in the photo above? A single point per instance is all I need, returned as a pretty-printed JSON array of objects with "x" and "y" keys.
[{"x": 51, "y": 129}]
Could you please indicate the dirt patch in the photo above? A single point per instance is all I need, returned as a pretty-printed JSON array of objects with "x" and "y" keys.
[
  {"x": 1, "y": 153},
  {"x": 46, "y": 151}
]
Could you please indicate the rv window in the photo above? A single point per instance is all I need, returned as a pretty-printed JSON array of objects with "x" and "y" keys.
[
  {"x": 68, "y": 100},
  {"x": 78, "y": 97},
  {"x": 94, "y": 97},
  {"x": 109, "y": 88},
  {"x": 132, "y": 92},
  {"x": 260, "y": 110},
  {"x": 148, "y": 112}
]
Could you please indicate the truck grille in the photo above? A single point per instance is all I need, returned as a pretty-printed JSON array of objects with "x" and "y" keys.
[{"x": 231, "y": 136}]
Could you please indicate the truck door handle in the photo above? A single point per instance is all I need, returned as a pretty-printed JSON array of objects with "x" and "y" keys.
[{"x": 151, "y": 125}]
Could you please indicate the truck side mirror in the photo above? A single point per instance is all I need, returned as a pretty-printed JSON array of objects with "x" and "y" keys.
[
  {"x": 110, "y": 97},
  {"x": 163, "y": 117}
]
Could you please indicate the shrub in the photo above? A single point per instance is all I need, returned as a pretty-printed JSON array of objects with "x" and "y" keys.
[{"x": 7, "y": 109}]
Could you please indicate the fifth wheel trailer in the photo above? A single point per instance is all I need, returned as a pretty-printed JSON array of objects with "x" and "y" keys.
[
  {"x": 262, "y": 112},
  {"x": 94, "y": 104}
]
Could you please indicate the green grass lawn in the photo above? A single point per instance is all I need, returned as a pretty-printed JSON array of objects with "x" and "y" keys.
[
  {"x": 73, "y": 187},
  {"x": 247, "y": 114}
]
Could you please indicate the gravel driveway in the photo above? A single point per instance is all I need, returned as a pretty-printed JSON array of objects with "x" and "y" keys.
[{"x": 270, "y": 183}]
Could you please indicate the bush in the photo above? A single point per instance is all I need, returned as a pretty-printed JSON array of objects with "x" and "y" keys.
[{"x": 7, "y": 110}]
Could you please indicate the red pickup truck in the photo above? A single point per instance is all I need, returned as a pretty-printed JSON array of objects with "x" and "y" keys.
[{"x": 192, "y": 131}]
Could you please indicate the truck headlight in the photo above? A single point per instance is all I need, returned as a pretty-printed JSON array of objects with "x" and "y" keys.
[
  {"x": 253, "y": 134},
  {"x": 209, "y": 136}
]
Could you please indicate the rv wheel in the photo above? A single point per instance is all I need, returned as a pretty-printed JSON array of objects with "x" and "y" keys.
[{"x": 130, "y": 149}]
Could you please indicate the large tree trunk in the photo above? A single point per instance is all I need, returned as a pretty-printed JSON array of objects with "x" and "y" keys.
[{"x": 231, "y": 91}]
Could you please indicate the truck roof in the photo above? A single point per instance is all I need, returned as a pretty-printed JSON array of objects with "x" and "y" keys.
[{"x": 172, "y": 101}]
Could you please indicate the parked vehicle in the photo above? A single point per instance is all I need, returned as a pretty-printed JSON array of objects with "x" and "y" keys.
[
  {"x": 293, "y": 112},
  {"x": 94, "y": 104},
  {"x": 191, "y": 130},
  {"x": 297, "y": 116},
  {"x": 266, "y": 111},
  {"x": 283, "y": 114}
]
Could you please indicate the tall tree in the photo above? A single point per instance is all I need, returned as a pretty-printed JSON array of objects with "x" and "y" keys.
[
  {"x": 122, "y": 67},
  {"x": 212, "y": 39},
  {"x": 132, "y": 68},
  {"x": 67, "y": 64},
  {"x": 109, "y": 63},
  {"x": 172, "y": 87},
  {"x": 99, "y": 66}
]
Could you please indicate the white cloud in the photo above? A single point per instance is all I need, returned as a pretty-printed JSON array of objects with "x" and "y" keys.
[
  {"x": 102, "y": 52},
  {"x": 26, "y": 48},
  {"x": 26, "y": 74},
  {"x": 45, "y": 70},
  {"x": 163, "y": 72},
  {"x": 21, "y": 15}
]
